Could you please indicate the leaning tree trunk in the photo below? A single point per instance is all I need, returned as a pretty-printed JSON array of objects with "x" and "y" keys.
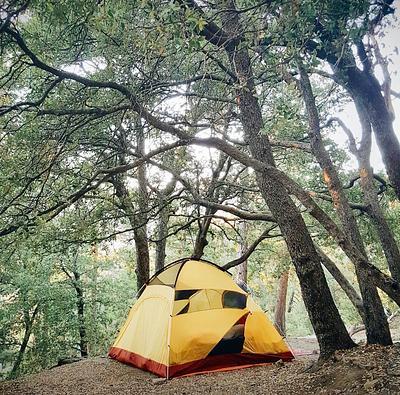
[
  {"x": 339, "y": 277},
  {"x": 363, "y": 86},
  {"x": 375, "y": 321},
  {"x": 385, "y": 234},
  {"x": 280, "y": 306},
  {"x": 28, "y": 325},
  {"x": 325, "y": 318}
]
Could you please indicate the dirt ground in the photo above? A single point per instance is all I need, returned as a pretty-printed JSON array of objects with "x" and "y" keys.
[{"x": 367, "y": 369}]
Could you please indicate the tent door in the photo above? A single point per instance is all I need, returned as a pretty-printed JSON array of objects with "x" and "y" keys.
[{"x": 233, "y": 340}]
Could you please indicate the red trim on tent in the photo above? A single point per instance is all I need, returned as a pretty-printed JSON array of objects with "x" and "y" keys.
[
  {"x": 208, "y": 364},
  {"x": 131, "y": 358}
]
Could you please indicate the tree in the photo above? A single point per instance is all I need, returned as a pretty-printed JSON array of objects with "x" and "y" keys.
[
  {"x": 374, "y": 315},
  {"x": 337, "y": 32}
]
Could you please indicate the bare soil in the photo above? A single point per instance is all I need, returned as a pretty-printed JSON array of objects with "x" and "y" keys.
[{"x": 366, "y": 369}]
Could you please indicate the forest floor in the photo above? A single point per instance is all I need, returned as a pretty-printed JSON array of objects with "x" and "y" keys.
[{"x": 366, "y": 369}]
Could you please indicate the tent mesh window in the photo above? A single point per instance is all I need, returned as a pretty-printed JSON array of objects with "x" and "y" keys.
[
  {"x": 235, "y": 300},
  {"x": 194, "y": 300},
  {"x": 185, "y": 294}
]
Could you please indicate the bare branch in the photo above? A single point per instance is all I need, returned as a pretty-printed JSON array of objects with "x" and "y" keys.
[{"x": 264, "y": 235}]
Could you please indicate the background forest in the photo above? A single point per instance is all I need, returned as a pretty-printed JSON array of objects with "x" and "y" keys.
[{"x": 259, "y": 135}]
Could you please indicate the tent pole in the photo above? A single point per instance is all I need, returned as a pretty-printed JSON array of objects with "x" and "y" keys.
[
  {"x": 168, "y": 343},
  {"x": 169, "y": 333},
  {"x": 289, "y": 346},
  {"x": 140, "y": 290}
]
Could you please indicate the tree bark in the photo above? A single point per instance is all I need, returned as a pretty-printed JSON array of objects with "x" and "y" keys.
[
  {"x": 327, "y": 323},
  {"x": 280, "y": 306},
  {"x": 201, "y": 237},
  {"x": 374, "y": 314}
]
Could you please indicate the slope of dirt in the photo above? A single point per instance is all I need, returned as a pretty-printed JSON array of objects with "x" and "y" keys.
[{"x": 364, "y": 370}]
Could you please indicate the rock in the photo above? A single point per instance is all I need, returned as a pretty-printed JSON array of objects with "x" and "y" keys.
[
  {"x": 279, "y": 363},
  {"x": 159, "y": 380}
]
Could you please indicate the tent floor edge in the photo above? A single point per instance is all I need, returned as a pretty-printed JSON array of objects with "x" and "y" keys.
[
  {"x": 209, "y": 364},
  {"x": 138, "y": 361},
  {"x": 226, "y": 362}
]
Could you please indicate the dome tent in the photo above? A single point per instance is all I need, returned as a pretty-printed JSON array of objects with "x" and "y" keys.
[{"x": 192, "y": 317}]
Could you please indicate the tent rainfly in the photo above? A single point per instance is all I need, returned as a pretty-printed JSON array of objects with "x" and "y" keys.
[{"x": 193, "y": 318}]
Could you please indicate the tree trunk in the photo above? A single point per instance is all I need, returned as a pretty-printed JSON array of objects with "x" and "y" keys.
[
  {"x": 374, "y": 315},
  {"x": 162, "y": 229},
  {"x": 204, "y": 225},
  {"x": 243, "y": 246},
  {"x": 28, "y": 325},
  {"x": 291, "y": 302},
  {"x": 280, "y": 307},
  {"x": 380, "y": 279},
  {"x": 80, "y": 304},
  {"x": 369, "y": 89},
  {"x": 138, "y": 220},
  {"x": 201, "y": 238},
  {"x": 385, "y": 234},
  {"x": 348, "y": 289},
  {"x": 327, "y": 323},
  {"x": 363, "y": 85},
  {"x": 140, "y": 232},
  {"x": 142, "y": 257},
  {"x": 162, "y": 233}
]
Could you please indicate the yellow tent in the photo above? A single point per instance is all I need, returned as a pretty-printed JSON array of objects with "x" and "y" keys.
[{"x": 192, "y": 317}]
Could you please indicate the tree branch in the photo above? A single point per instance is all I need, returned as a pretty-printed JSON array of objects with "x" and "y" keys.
[{"x": 264, "y": 235}]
